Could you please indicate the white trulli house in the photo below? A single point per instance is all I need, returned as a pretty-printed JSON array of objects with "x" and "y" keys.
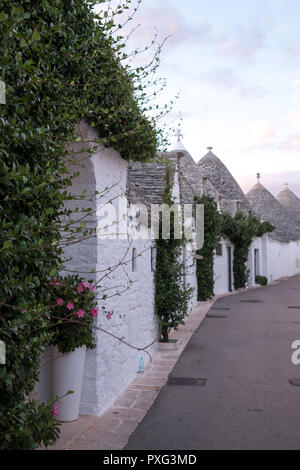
[
  {"x": 147, "y": 184},
  {"x": 223, "y": 188},
  {"x": 278, "y": 253}
]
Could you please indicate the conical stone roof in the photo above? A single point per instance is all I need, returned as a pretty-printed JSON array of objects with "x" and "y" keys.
[
  {"x": 266, "y": 207},
  {"x": 215, "y": 171},
  {"x": 291, "y": 202}
]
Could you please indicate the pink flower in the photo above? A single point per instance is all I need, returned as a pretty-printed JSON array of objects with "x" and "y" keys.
[
  {"x": 70, "y": 306},
  {"x": 80, "y": 313},
  {"x": 88, "y": 286},
  {"x": 55, "y": 410},
  {"x": 56, "y": 283},
  {"x": 109, "y": 315},
  {"x": 60, "y": 302},
  {"x": 94, "y": 312},
  {"x": 80, "y": 288}
]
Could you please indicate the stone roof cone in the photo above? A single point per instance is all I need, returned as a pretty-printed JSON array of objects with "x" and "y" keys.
[
  {"x": 290, "y": 201},
  {"x": 222, "y": 180},
  {"x": 267, "y": 208}
]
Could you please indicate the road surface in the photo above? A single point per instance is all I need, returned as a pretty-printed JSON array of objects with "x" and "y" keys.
[{"x": 241, "y": 397}]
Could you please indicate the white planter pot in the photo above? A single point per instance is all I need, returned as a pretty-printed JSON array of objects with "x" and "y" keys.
[
  {"x": 43, "y": 388},
  {"x": 67, "y": 375}
]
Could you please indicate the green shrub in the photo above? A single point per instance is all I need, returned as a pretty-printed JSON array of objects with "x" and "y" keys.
[
  {"x": 171, "y": 295},
  {"x": 240, "y": 230},
  {"x": 205, "y": 266},
  {"x": 262, "y": 280},
  {"x": 61, "y": 64},
  {"x": 33, "y": 425}
]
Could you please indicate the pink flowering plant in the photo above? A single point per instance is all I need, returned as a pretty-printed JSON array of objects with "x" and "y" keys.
[{"x": 73, "y": 310}]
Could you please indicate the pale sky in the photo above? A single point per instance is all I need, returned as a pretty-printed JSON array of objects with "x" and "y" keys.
[{"x": 237, "y": 67}]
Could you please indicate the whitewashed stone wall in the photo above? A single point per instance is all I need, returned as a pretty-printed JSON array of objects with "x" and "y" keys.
[
  {"x": 221, "y": 270},
  {"x": 276, "y": 259},
  {"x": 257, "y": 244},
  {"x": 113, "y": 365},
  {"x": 191, "y": 276},
  {"x": 283, "y": 259}
]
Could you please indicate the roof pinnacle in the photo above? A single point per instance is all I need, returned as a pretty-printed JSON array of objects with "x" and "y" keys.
[
  {"x": 258, "y": 178},
  {"x": 178, "y": 134}
]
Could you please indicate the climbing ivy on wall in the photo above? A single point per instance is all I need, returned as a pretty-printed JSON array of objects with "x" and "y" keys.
[
  {"x": 205, "y": 266},
  {"x": 241, "y": 230},
  {"x": 171, "y": 295},
  {"x": 61, "y": 63}
]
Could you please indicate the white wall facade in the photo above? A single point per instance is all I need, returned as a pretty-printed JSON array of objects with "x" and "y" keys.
[
  {"x": 221, "y": 269},
  {"x": 276, "y": 259},
  {"x": 191, "y": 276},
  {"x": 257, "y": 250},
  {"x": 113, "y": 365},
  {"x": 283, "y": 259}
]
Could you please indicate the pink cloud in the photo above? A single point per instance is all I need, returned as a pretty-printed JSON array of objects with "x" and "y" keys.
[
  {"x": 291, "y": 142},
  {"x": 242, "y": 42},
  {"x": 167, "y": 21}
]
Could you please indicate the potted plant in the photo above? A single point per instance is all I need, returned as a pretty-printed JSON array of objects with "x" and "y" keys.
[{"x": 73, "y": 309}]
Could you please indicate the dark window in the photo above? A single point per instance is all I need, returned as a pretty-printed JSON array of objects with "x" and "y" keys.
[
  {"x": 153, "y": 258},
  {"x": 133, "y": 259},
  {"x": 219, "y": 249}
]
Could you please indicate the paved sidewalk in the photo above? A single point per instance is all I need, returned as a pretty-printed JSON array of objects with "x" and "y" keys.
[{"x": 112, "y": 429}]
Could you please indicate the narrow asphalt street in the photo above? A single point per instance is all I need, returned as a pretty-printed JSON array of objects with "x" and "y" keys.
[{"x": 241, "y": 356}]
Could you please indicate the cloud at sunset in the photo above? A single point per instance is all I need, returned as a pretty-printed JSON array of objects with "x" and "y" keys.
[
  {"x": 228, "y": 79},
  {"x": 242, "y": 42},
  {"x": 237, "y": 67}
]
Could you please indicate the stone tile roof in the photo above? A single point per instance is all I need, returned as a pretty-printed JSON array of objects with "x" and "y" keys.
[
  {"x": 222, "y": 182},
  {"x": 146, "y": 182},
  {"x": 291, "y": 202},
  {"x": 267, "y": 208}
]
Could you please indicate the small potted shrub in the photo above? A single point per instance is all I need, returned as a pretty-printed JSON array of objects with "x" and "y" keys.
[
  {"x": 262, "y": 280},
  {"x": 73, "y": 309}
]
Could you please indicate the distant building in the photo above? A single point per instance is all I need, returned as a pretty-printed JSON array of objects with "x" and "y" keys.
[{"x": 278, "y": 253}]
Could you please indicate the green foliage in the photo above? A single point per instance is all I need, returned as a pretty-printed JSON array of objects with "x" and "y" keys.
[
  {"x": 34, "y": 425},
  {"x": 61, "y": 64},
  {"x": 262, "y": 280},
  {"x": 205, "y": 266},
  {"x": 71, "y": 322},
  {"x": 241, "y": 230},
  {"x": 171, "y": 295}
]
